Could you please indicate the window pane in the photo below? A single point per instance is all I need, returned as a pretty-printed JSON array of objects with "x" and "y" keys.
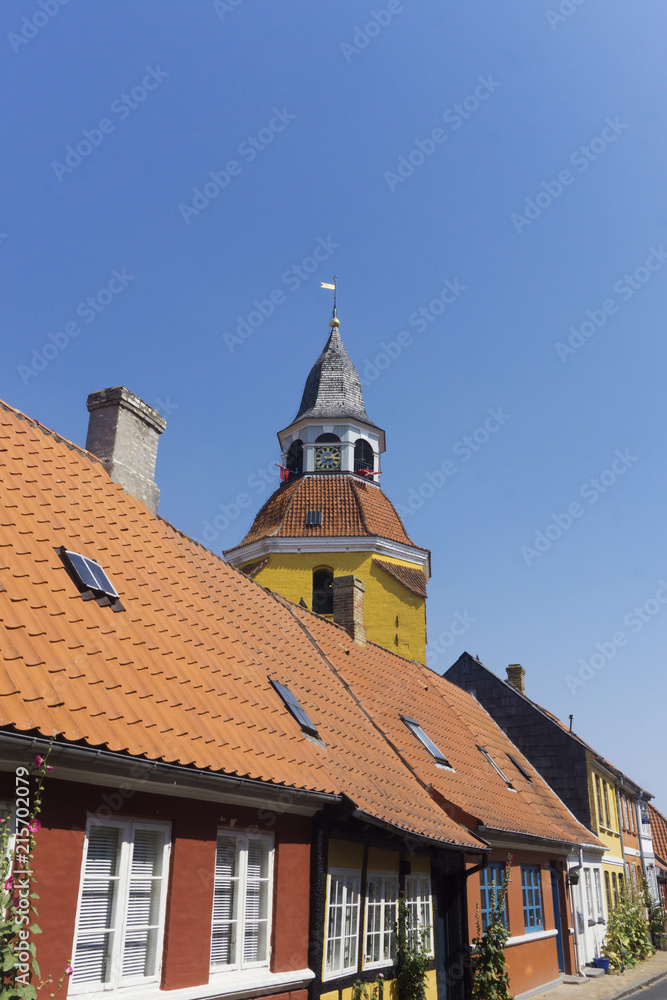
[
  {"x": 97, "y": 907},
  {"x": 225, "y": 902}
]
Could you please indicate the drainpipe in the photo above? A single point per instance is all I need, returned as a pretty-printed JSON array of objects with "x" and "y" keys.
[{"x": 576, "y": 868}]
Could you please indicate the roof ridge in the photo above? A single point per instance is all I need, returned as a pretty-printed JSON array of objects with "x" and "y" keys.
[{"x": 51, "y": 433}]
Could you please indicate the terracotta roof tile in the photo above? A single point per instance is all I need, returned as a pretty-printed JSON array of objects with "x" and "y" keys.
[
  {"x": 351, "y": 507},
  {"x": 390, "y": 687},
  {"x": 413, "y": 579},
  {"x": 183, "y": 673},
  {"x": 658, "y": 833}
]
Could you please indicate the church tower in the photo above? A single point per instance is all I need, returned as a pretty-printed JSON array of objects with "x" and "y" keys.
[{"x": 329, "y": 517}]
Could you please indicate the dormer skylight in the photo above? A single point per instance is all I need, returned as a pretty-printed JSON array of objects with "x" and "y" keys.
[
  {"x": 493, "y": 764},
  {"x": 519, "y": 766},
  {"x": 417, "y": 731},
  {"x": 91, "y": 579},
  {"x": 295, "y": 709},
  {"x": 90, "y": 574}
]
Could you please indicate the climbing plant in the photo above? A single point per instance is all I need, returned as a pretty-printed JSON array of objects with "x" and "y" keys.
[{"x": 490, "y": 976}]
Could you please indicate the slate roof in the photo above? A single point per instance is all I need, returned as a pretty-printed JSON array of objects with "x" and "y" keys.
[
  {"x": 333, "y": 388},
  {"x": 388, "y": 686},
  {"x": 350, "y": 507},
  {"x": 183, "y": 673},
  {"x": 558, "y": 752}
]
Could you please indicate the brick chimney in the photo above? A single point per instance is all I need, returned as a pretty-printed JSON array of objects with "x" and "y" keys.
[
  {"x": 123, "y": 433},
  {"x": 515, "y": 675},
  {"x": 348, "y": 609}
]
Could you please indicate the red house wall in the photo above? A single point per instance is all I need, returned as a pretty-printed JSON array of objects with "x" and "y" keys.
[
  {"x": 536, "y": 962},
  {"x": 186, "y": 958}
]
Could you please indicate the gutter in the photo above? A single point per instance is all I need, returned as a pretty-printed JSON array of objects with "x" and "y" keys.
[{"x": 163, "y": 777}]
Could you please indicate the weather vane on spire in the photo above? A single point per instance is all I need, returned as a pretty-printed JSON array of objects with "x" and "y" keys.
[{"x": 324, "y": 284}]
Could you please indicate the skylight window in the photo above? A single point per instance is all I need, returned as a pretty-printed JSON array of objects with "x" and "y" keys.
[
  {"x": 296, "y": 710},
  {"x": 493, "y": 764},
  {"x": 313, "y": 518},
  {"x": 519, "y": 766},
  {"x": 417, "y": 731}
]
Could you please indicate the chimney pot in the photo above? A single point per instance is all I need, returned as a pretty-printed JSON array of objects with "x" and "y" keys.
[
  {"x": 515, "y": 675},
  {"x": 123, "y": 433},
  {"x": 348, "y": 612}
]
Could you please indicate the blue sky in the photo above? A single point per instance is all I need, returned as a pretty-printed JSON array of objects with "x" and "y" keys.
[{"x": 515, "y": 150}]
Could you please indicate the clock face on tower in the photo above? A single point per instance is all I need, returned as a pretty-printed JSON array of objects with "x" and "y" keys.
[{"x": 327, "y": 458}]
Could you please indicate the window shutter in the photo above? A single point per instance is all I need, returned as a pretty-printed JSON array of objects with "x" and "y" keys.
[
  {"x": 225, "y": 902},
  {"x": 255, "y": 938},
  {"x": 98, "y": 904},
  {"x": 143, "y": 904}
]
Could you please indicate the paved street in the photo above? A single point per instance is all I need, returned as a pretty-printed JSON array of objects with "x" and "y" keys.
[{"x": 640, "y": 980}]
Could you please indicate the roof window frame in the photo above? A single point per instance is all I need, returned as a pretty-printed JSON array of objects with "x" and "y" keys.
[{"x": 425, "y": 741}]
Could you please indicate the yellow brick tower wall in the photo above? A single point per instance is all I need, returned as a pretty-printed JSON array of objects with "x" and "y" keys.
[{"x": 394, "y": 616}]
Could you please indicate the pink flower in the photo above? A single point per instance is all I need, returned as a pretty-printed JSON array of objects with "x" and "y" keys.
[
  {"x": 381, "y": 975},
  {"x": 69, "y": 970},
  {"x": 49, "y": 768},
  {"x": 38, "y": 761},
  {"x": 9, "y": 884},
  {"x": 34, "y": 825}
]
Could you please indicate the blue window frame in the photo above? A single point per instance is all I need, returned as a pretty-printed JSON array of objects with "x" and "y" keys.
[
  {"x": 491, "y": 878},
  {"x": 532, "y": 898}
]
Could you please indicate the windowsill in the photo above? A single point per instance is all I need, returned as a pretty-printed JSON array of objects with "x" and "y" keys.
[
  {"x": 534, "y": 936},
  {"x": 250, "y": 982}
]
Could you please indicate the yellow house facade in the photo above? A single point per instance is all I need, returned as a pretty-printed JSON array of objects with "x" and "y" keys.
[
  {"x": 330, "y": 519},
  {"x": 603, "y": 796}
]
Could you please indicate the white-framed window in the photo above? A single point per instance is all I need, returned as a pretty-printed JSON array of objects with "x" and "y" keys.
[
  {"x": 243, "y": 889},
  {"x": 589, "y": 894},
  {"x": 418, "y": 898},
  {"x": 342, "y": 930},
  {"x": 381, "y": 917},
  {"x": 120, "y": 916},
  {"x": 598, "y": 892}
]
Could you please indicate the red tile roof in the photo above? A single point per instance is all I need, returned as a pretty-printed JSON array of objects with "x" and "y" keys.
[
  {"x": 350, "y": 507},
  {"x": 658, "y": 833},
  {"x": 413, "y": 579},
  {"x": 388, "y": 686},
  {"x": 183, "y": 674}
]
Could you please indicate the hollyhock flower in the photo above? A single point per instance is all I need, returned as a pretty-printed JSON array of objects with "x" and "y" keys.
[
  {"x": 9, "y": 884},
  {"x": 69, "y": 970},
  {"x": 34, "y": 825},
  {"x": 38, "y": 761}
]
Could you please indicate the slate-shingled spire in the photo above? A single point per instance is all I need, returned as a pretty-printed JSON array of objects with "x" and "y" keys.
[{"x": 333, "y": 387}]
